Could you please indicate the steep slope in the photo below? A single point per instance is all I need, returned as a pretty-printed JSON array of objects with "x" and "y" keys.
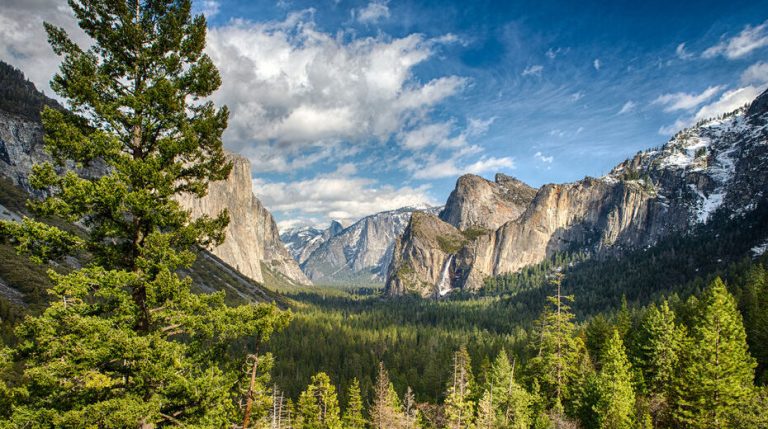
[
  {"x": 423, "y": 257},
  {"x": 253, "y": 240},
  {"x": 361, "y": 252},
  {"x": 302, "y": 241},
  {"x": 719, "y": 164}
]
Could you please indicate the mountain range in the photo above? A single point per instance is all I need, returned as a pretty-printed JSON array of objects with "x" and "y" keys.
[{"x": 488, "y": 228}]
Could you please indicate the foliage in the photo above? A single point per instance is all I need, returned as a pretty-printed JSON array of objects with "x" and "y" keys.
[
  {"x": 718, "y": 373},
  {"x": 125, "y": 342}
]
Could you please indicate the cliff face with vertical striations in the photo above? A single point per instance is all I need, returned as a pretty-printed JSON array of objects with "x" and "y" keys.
[
  {"x": 253, "y": 240},
  {"x": 719, "y": 165}
]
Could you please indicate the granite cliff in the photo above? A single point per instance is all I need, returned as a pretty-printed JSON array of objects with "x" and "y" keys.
[{"x": 718, "y": 165}]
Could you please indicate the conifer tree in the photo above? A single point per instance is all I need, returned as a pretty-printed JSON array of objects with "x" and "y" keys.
[
  {"x": 717, "y": 378},
  {"x": 412, "y": 416},
  {"x": 318, "y": 406},
  {"x": 125, "y": 343},
  {"x": 616, "y": 403},
  {"x": 459, "y": 406},
  {"x": 353, "y": 415},
  {"x": 510, "y": 400},
  {"x": 558, "y": 349},
  {"x": 661, "y": 343}
]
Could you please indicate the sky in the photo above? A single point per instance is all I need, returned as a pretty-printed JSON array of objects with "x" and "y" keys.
[{"x": 348, "y": 108}]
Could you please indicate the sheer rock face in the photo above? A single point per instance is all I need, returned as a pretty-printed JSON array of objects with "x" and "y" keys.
[
  {"x": 481, "y": 204},
  {"x": 423, "y": 257},
  {"x": 718, "y": 166},
  {"x": 252, "y": 235},
  {"x": 360, "y": 253}
]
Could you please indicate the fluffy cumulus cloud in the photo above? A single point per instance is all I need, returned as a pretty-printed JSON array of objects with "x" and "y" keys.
[
  {"x": 341, "y": 195},
  {"x": 597, "y": 64},
  {"x": 748, "y": 40},
  {"x": 375, "y": 11},
  {"x": 686, "y": 101},
  {"x": 289, "y": 84}
]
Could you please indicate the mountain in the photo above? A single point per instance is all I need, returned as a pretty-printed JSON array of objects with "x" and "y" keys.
[
  {"x": 303, "y": 240},
  {"x": 360, "y": 253},
  {"x": 252, "y": 243},
  {"x": 718, "y": 165}
]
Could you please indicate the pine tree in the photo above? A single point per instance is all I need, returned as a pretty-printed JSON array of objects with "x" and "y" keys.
[
  {"x": 615, "y": 406},
  {"x": 559, "y": 350},
  {"x": 717, "y": 378},
  {"x": 661, "y": 343},
  {"x": 353, "y": 416},
  {"x": 459, "y": 406},
  {"x": 318, "y": 406},
  {"x": 125, "y": 343},
  {"x": 510, "y": 400}
]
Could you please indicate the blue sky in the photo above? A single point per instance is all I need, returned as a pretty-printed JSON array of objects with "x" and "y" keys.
[{"x": 346, "y": 108}]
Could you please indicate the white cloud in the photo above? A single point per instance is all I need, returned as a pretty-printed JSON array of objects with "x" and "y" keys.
[
  {"x": 434, "y": 169},
  {"x": 748, "y": 40},
  {"x": 288, "y": 84},
  {"x": 597, "y": 64},
  {"x": 729, "y": 101},
  {"x": 757, "y": 73},
  {"x": 576, "y": 96},
  {"x": 682, "y": 53},
  {"x": 543, "y": 158},
  {"x": 209, "y": 8},
  {"x": 533, "y": 70},
  {"x": 23, "y": 42},
  {"x": 437, "y": 134},
  {"x": 476, "y": 127},
  {"x": 339, "y": 196},
  {"x": 685, "y": 101},
  {"x": 628, "y": 107},
  {"x": 373, "y": 12}
]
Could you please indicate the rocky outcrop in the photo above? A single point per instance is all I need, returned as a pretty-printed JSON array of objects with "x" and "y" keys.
[
  {"x": 717, "y": 166},
  {"x": 484, "y": 205},
  {"x": 423, "y": 257},
  {"x": 253, "y": 240},
  {"x": 362, "y": 252}
]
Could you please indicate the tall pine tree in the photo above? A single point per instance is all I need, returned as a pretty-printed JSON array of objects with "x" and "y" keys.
[
  {"x": 511, "y": 401},
  {"x": 318, "y": 406},
  {"x": 717, "y": 377},
  {"x": 125, "y": 343},
  {"x": 558, "y": 350}
]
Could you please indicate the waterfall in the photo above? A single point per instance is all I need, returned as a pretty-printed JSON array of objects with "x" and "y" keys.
[{"x": 444, "y": 283}]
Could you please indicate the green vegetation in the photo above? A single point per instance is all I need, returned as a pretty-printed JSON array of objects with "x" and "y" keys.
[
  {"x": 450, "y": 245},
  {"x": 472, "y": 233},
  {"x": 124, "y": 342}
]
